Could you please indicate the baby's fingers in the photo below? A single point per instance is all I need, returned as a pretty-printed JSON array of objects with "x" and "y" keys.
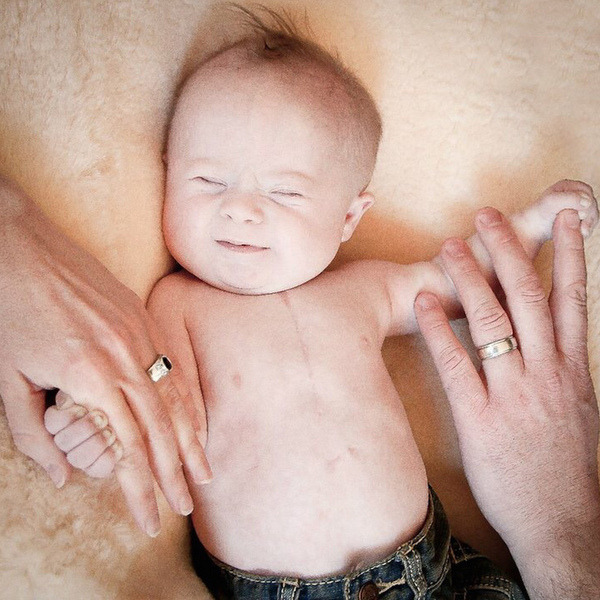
[
  {"x": 56, "y": 419},
  {"x": 107, "y": 461},
  {"x": 80, "y": 430},
  {"x": 91, "y": 450}
]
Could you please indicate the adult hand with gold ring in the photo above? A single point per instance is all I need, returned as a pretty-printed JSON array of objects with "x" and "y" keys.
[
  {"x": 69, "y": 324},
  {"x": 528, "y": 421}
]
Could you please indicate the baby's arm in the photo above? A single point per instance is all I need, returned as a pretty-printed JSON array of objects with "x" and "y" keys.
[{"x": 533, "y": 227}]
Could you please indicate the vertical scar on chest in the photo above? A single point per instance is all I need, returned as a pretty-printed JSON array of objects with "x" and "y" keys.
[{"x": 237, "y": 380}]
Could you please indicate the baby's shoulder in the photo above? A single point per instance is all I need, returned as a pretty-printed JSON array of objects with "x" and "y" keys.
[
  {"x": 174, "y": 292},
  {"x": 178, "y": 284}
]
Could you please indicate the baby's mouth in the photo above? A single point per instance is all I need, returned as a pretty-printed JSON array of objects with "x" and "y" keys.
[{"x": 240, "y": 247}]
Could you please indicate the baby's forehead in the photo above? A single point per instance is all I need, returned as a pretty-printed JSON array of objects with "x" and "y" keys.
[
  {"x": 294, "y": 79},
  {"x": 313, "y": 82}
]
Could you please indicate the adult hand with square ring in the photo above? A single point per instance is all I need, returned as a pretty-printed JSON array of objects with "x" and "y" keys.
[
  {"x": 528, "y": 422},
  {"x": 76, "y": 328}
]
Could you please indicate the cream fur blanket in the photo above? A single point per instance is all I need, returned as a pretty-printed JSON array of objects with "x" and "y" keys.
[{"x": 483, "y": 102}]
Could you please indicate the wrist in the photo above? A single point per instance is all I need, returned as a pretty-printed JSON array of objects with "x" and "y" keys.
[{"x": 558, "y": 558}]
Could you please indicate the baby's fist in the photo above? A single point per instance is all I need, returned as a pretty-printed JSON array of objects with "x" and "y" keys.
[
  {"x": 575, "y": 195},
  {"x": 85, "y": 438}
]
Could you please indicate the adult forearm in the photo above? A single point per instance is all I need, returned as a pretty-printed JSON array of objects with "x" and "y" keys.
[
  {"x": 565, "y": 571},
  {"x": 563, "y": 561}
]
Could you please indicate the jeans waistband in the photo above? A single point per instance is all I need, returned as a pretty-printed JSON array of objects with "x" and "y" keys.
[{"x": 414, "y": 570}]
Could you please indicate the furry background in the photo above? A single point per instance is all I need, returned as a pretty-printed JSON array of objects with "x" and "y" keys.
[{"x": 484, "y": 102}]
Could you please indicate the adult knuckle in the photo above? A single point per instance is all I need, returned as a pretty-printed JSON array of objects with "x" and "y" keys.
[
  {"x": 85, "y": 365},
  {"x": 554, "y": 380},
  {"x": 530, "y": 289},
  {"x": 162, "y": 420},
  {"x": 489, "y": 316},
  {"x": 576, "y": 293},
  {"x": 506, "y": 237},
  {"x": 119, "y": 341},
  {"x": 452, "y": 360},
  {"x": 577, "y": 361},
  {"x": 435, "y": 327},
  {"x": 134, "y": 455}
]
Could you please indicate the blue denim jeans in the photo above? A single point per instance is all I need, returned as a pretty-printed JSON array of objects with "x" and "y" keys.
[{"x": 433, "y": 565}]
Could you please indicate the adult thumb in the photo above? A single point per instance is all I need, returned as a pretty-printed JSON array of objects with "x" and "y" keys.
[{"x": 25, "y": 406}]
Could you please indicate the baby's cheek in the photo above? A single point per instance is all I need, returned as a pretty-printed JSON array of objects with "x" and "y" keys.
[{"x": 181, "y": 231}]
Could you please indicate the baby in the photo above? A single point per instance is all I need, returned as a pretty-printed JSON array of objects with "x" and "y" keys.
[{"x": 270, "y": 150}]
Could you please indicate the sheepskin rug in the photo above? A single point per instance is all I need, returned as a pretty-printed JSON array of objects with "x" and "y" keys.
[{"x": 483, "y": 102}]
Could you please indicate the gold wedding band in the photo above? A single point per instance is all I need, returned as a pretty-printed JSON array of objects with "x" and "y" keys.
[
  {"x": 159, "y": 368},
  {"x": 497, "y": 348}
]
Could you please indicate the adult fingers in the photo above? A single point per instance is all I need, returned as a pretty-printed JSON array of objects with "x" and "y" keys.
[
  {"x": 153, "y": 417},
  {"x": 568, "y": 299},
  {"x": 460, "y": 379},
  {"x": 188, "y": 431},
  {"x": 187, "y": 414},
  {"x": 24, "y": 407},
  {"x": 488, "y": 321},
  {"x": 118, "y": 382},
  {"x": 525, "y": 295},
  {"x": 133, "y": 470}
]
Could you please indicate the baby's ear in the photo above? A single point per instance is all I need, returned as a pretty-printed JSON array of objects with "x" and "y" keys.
[{"x": 360, "y": 205}]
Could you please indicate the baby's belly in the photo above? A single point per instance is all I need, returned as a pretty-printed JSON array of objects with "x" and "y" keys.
[{"x": 310, "y": 484}]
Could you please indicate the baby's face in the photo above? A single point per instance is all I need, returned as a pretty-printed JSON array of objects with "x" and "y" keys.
[{"x": 258, "y": 194}]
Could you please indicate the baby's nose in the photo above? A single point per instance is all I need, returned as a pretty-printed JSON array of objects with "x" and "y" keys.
[{"x": 241, "y": 208}]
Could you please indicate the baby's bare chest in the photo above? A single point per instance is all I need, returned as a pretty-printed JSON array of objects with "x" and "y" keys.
[{"x": 296, "y": 343}]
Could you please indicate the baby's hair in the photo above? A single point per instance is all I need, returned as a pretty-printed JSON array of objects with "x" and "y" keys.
[{"x": 275, "y": 38}]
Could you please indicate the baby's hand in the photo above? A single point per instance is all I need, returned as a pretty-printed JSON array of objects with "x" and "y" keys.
[
  {"x": 562, "y": 195},
  {"x": 85, "y": 438}
]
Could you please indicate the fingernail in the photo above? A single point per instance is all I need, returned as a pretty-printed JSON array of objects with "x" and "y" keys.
[
  {"x": 152, "y": 526},
  {"x": 454, "y": 247},
  {"x": 57, "y": 475},
  {"x": 202, "y": 475},
  {"x": 117, "y": 448},
  {"x": 64, "y": 401},
  {"x": 426, "y": 301},
  {"x": 109, "y": 435},
  {"x": 99, "y": 419},
  {"x": 572, "y": 219},
  {"x": 186, "y": 506},
  {"x": 489, "y": 216},
  {"x": 585, "y": 201},
  {"x": 582, "y": 214},
  {"x": 80, "y": 411}
]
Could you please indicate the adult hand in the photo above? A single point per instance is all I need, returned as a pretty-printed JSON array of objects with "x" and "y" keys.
[
  {"x": 67, "y": 323},
  {"x": 528, "y": 422}
]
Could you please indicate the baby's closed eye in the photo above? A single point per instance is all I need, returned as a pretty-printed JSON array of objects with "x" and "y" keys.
[{"x": 209, "y": 185}]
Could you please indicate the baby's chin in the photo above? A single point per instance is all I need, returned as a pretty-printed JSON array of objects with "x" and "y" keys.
[{"x": 253, "y": 288}]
